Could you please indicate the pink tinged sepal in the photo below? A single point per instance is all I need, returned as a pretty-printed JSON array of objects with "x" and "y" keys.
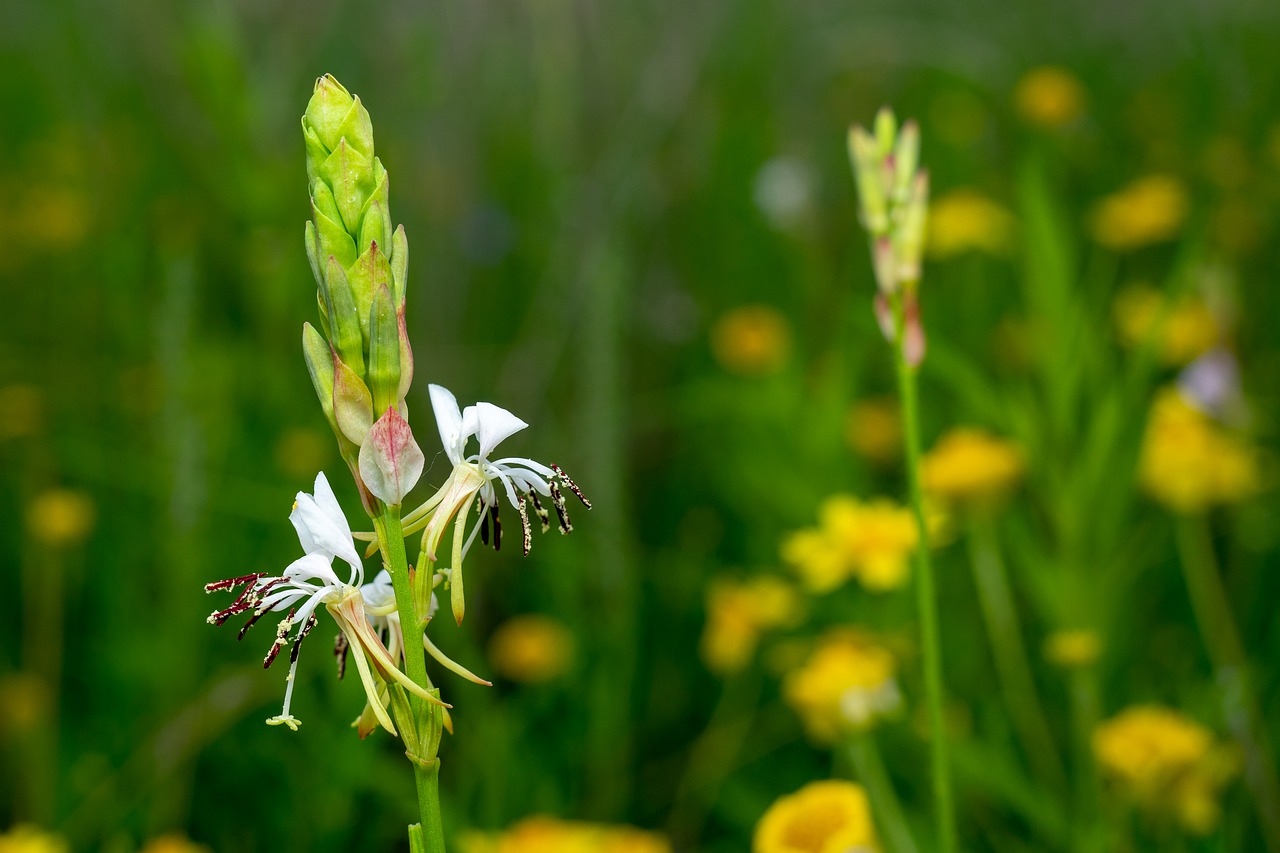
[
  {"x": 390, "y": 460},
  {"x": 884, "y": 318},
  {"x": 913, "y": 340},
  {"x": 352, "y": 402}
]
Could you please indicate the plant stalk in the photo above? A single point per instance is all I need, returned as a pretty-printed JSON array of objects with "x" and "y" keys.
[{"x": 926, "y": 597}]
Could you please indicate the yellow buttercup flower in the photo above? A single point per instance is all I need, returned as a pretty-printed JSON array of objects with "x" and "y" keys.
[
  {"x": 1073, "y": 648},
  {"x": 61, "y": 516},
  {"x": 846, "y": 684},
  {"x": 531, "y": 649},
  {"x": 1188, "y": 329},
  {"x": 872, "y": 541},
  {"x": 753, "y": 340},
  {"x": 965, "y": 220},
  {"x": 1049, "y": 96},
  {"x": 822, "y": 817},
  {"x": 541, "y": 834},
  {"x": 874, "y": 429},
  {"x": 29, "y": 839},
  {"x": 1190, "y": 463},
  {"x": 1149, "y": 210},
  {"x": 970, "y": 466},
  {"x": 817, "y": 559},
  {"x": 1165, "y": 763},
  {"x": 739, "y": 613},
  {"x": 21, "y": 411}
]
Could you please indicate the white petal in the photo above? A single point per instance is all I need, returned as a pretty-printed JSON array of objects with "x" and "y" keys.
[
  {"x": 325, "y": 536},
  {"x": 449, "y": 421},
  {"x": 494, "y": 424},
  {"x": 329, "y": 504}
]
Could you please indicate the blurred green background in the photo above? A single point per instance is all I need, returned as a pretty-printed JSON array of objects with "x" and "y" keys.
[{"x": 589, "y": 190}]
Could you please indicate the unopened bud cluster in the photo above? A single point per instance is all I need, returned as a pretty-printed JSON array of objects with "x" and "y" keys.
[
  {"x": 360, "y": 362},
  {"x": 894, "y": 196}
]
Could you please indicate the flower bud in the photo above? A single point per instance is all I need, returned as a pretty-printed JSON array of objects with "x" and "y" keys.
[
  {"x": 352, "y": 403},
  {"x": 384, "y": 350},
  {"x": 327, "y": 110},
  {"x": 390, "y": 460}
]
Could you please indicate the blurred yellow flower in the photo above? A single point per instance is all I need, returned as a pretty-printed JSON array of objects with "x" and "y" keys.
[
  {"x": 822, "y": 817},
  {"x": 61, "y": 516},
  {"x": 753, "y": 340},
  {"x": 24, "y": 700},
  {"x": 872, "y": 541},
  {"x": 1188, "y": 330},
  {"x": 1190, "y": 463},
  {"x": 739, "y": 613},
  {"x": 874, "y": 429},
  {"x": 21, "y": 411},
  {"x": 301, "y": 451},
  {"x": 1165, "y": 763},
  {"x": 28, "y": 839},
  {"x": 531, "y": 649},
  {"x": 1149, "y": 210},
  {"x": 1049, "y": 96},
  {"x": 1072, "y": 648},
  {"x": 964, "y": 220},
  {"x": 541, "y": 834},
  {"x": 845, "y": 685},
  {"x": 55, "y": 217},
  {"x": 173, "y": 843},
  {"x": 970, "y": 466}
]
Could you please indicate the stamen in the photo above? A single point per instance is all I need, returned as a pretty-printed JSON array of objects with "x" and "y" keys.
[
  {"x": 497, "y": 527},
  {"x": 302, "y": 635},
  {"x": 483, "y": 524},
  {"x": 524, "y": 525},
  {"x": 232, "y": 583},
  {"x": 282, "y": 634},
  {"x": 541, "y": 511},
  {"x": 257, "y": 614},
  {"x": 558, "y": 500},
  {"x": 340, "y": 648},
  {"x": 573, "y": 487}
]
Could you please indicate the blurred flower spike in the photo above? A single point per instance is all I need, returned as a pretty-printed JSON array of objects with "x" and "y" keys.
[
  {"x": 473, "y": 478},
  {"x": 831, "y": 816},
  {"x": 1167, "y": 765},
  {"x": 739, "y": 613},
  {"x": 360, "y": 361},
  {"x": 307, "y": 583},
  {"x": 894, "y": 197}
]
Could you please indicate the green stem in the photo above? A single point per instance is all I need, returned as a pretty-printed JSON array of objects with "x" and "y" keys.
[
  {"x": 1012, "y": 667},
  {"x": 426, "y": 768},
  {"x": 926, "y": 600},
  {"x": 869, "y": 766},
  {"x": 1086, "y": 833},
  {"x": 1226, "y": 651}
]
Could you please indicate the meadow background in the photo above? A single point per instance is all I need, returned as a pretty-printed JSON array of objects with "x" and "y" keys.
[{"x": 594, "y": 193}]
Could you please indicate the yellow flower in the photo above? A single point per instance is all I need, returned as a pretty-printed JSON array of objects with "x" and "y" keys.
[
  {"x": 1187, "y": 330},
  {"x": 1149, "y": 210},
  {"x": 822, "y": 817},
  {"x": 531, "y": 649},
  {"x": 964, "y": 220},
  {"x": 61, "y": 516},
  {"x": 24, "y": 701},
  {"x": 1072, "y": 648},
  {"x": 753, "y": 340},
  {"x": 739, "y": 613},
  {"x": 819, "y": 562},
  {"x": 1049, "y": 96},
  {"x": 1190, "y": 463},
  {"x": 846, "y": 684},
  {"x": 874, "y": 429},
  {"x": 541, "y": 834},
  {"x": 1165, "y": 763},
  {"x": 969, "y": 466},
  {"x": 877, "y": 537},
  {"x": 28, "y": 839},
  {"x": 301, "y": 451},
  {"x": 173, "y": 843}
]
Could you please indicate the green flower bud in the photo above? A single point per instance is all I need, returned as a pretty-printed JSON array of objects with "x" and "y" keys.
[
  {"x": 352, "y": 403},
  {"x": 327, "y": 111},
  {"x": 384, "y": 352},
  {"x": 390, "y": 460},
  {"x": 344, "y": 317},
  {"x": 319, "y": 360},
  {"x": 399, "y": 264},
  {"x": 406, "y": 356},
  {"x": 370, "y": 271},
  {"x": 350, "y": 175}
]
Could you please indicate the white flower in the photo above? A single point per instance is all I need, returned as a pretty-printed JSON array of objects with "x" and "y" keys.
[{"x": 309, "y": 582}]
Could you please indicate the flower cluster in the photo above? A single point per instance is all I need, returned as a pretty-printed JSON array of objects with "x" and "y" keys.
[
  {"x": 1150, "y": 210},
  {"x": 964, "y": 220},
  {"x": 541, "y": 834},
  {"x": 846, "y": 684},
  {"x": 1049, "y": 96},
  {"x": 1183, "y": 328},
  {"x": 1189, "y": 462},
  {"x": 971, "y": 467},
  {"x": 1166, "y": 764},
  {"x": 822, "y": 817},
  {"x": 738, "y": 615},
  {"x": 871, "y": 541}
]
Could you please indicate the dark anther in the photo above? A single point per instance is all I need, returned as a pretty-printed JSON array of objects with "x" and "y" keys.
[
  {"x": 541, "y": 511},
  {"x": 524, "y": 526},
  {"x": 340, "y": 649},
  {"x": 302, "y": 635},
  {"x": 572, "y": 486},
  {"x": 232, "y": 583},
  {"x": 282, "y": 634},
  {"x": 497, "y": 528},
  {"x": 484, "y": 524},
  {"x": 558, "y": 500}
]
